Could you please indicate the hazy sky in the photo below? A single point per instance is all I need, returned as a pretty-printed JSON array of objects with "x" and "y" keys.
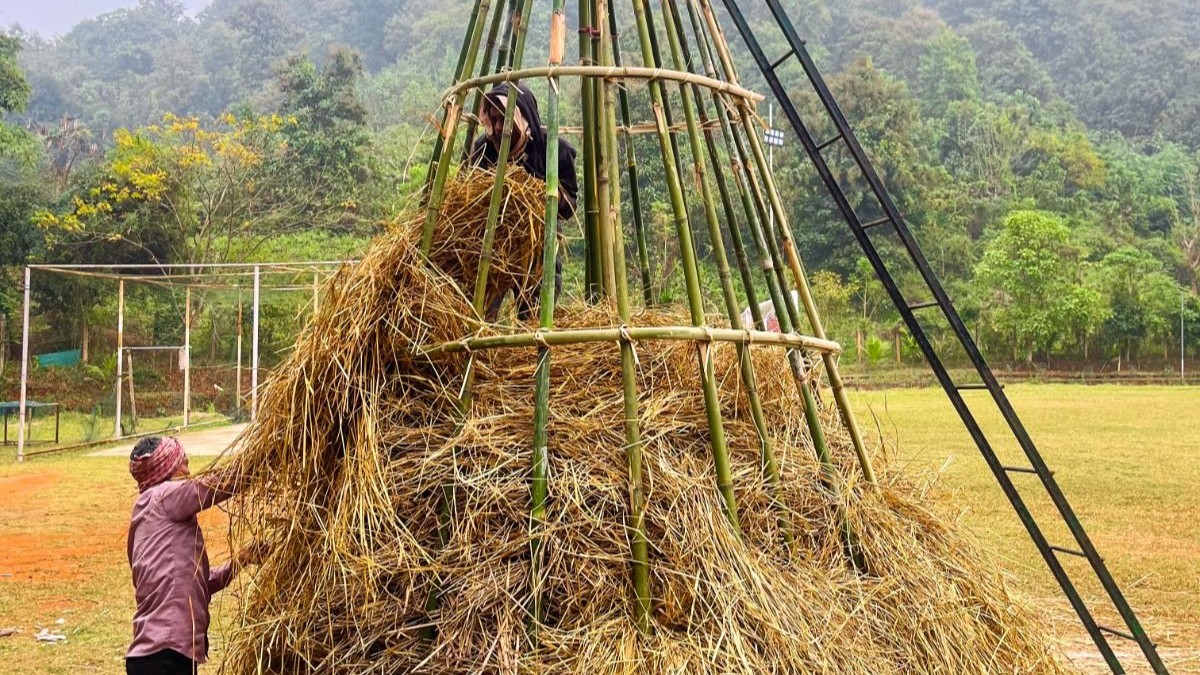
[{"x": 55, "y": 17}]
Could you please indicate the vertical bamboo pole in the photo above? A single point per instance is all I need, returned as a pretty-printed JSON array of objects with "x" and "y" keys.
[
  {"x": 639, "y": 544},
  {"x": 187, "y": 356},
  {"x": 538, "y": 487},
  {"x": 675, "y": 36},
  {"x": 631, "y": 169},
  {"x": 237, "y": 387},
  {"x": 793, "y": 259},
  {"x": 316, "y": 294},
  {"x": 120, "y": 350},
  {"x": 477, "y": 101},
  {"x": 497, "y": 195},
  {"x": 22, "y": 409},
  {"x": 254, "y": 344},
  {"x": 691, "y": 273},
  {"x": 591, "y": 229},
  {"x": 133, "y": 415},
  {"x": 603, "y": 153},
  {"x": 443, "y": 148}
]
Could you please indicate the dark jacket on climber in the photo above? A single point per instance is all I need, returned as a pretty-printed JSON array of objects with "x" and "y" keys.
[{"x": 528, "y": 150}]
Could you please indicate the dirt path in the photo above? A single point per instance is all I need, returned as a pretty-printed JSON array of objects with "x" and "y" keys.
[{"x": 205, "y": 443}]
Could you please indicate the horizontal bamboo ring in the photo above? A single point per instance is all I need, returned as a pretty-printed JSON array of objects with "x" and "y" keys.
[
  {"x": 552, "y": 338},
  {"x": 605, "y": 72}
]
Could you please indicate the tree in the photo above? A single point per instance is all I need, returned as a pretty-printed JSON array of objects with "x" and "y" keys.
[
  {"x": 327, "y": 140},
  {"x": 1030, "y": 274},
  {"x": 181, "y": 192},
  {"x": 1144, "y": 300},
  {"x": 14, "y": 88}
]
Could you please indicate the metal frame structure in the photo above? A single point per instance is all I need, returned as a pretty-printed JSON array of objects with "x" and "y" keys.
[
  {"x": 893, "y": 221},
  {"x": 211, "y": 276}
]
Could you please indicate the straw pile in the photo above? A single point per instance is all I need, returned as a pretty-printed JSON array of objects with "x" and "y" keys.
[{"x": 358, "y": 443}]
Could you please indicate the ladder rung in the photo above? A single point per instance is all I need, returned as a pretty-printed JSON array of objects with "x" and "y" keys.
[
  {"x": 1118, "y": 633},
  {"x": 781, "y": 59},
  {"x": 829, "y": 142},
  {"x": 924, "y": 305},
  {"x": 973, "y": 386},
  {"x": 1019, "y": 469},
  {"x": 877, "y": 223},
  {"x": 1068, "y": 551}
]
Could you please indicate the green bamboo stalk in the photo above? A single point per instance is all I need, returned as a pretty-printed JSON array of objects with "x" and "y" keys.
[
  {"x": 557, "y": 338},
  {"x": 506, "y": 42},
  {"x": 639, "y": 543},
  {"x": 477, "y": 101},
  {"x": 497, "y": 194},
  {"x": 538, "y": 487},
  {"x": 800, "y": 278},
  {"x": 603, "y": 153},
  {"x": 436, "y": 175},
  {"x": 591, "y": 230},
  {"x": 675, "y": 37},
  {"x": 793, "y": 259},
  {"x": 691, "y": 273},
  {"x": 785, "y": 310},
  {"x": 458, "y": 76},
  {"x": 635, "y": 190},
  {"x": 789, "y": 317},
  {"x": 444, "y": 145}
]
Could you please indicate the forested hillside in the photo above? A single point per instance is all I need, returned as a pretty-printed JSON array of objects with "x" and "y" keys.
[{"x": 1047, "y": 152}]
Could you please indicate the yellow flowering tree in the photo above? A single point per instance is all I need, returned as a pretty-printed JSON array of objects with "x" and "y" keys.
[{"x": 186, "y": 192}]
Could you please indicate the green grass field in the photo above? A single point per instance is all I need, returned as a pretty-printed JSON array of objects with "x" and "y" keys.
[{"x": 1127, "y": 457}]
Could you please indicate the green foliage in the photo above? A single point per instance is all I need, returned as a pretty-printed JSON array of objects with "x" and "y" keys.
[
  {"x": 14, "y": 89},
  {"x": 326, "y": 136},
  {"x": 1032, "y": 275}
]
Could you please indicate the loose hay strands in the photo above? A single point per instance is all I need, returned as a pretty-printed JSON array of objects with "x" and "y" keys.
[{"x": 359, "y": 431}]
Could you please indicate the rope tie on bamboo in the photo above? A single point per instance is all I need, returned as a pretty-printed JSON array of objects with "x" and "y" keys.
[
  {"x": 705, "y": 346},
  {"x": 539, "y": 336},
  {"x": 627, "y": 338}
]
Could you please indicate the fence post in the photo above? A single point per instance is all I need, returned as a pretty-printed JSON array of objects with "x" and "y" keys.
[
  {"x": 120, "y": 353},
  {"x": 24, "y": 371}
]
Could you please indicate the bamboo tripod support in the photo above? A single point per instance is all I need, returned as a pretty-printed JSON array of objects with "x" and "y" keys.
[{"x": 735, "y": 195}]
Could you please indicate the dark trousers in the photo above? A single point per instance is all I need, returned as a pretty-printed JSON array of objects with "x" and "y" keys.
[{"x": 166, "y": 662}]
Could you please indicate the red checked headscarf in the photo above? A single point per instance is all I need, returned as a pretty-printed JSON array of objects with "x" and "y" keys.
[{"x": 153, "y": 468}]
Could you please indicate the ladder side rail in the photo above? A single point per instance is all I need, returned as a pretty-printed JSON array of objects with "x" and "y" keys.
[
  {"x": 960, "y": 329},
  {"x": 918, "y": 333}
]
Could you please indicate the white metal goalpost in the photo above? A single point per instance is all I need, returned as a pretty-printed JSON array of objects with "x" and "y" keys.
[{"x": 210, "y": 276}]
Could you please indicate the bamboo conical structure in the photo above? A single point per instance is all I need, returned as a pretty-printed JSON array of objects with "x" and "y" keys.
[{"x": 720, "y": 151}]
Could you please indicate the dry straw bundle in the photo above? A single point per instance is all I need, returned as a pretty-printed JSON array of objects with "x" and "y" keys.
[{"x": 378, "y": 496}]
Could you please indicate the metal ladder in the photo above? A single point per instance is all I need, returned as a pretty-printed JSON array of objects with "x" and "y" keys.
[{"x": 892, "y": 220}]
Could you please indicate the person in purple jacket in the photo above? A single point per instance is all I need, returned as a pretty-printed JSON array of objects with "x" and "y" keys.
[{"x": 172, "y": 580}]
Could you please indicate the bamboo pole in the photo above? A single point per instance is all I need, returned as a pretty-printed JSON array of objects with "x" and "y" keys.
[
  {"x": 22, "y": 406},
  {"x": 187, "y": 356},
  {"x": 591, "y": 229},
  {"x": 650, "y": 74},
  {"x": 237, "y": 387},
  {"x": 501, "y": 169},
  {"x": 538, "y": 487},
  {"x": 133, "y": 414},
  {"x": 558, "y": 338},
  {"x": 639, "y": 542},
  {"x": 675, "y": 36},
  {"x": 604, "y": 153},
  {"x": 443, "y": 148},
  {"x": 254, "y": 345},
  {"x": 631, "y": 169},
  {"x": 793, "y": 259},
  {"x": 691, "y": 276},
  {"x": 477, "y": 101},
  {"x": 120, "y": 348}
]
